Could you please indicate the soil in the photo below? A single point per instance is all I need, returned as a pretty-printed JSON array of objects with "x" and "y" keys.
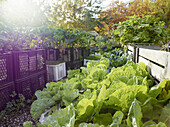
[{"x": 18, "y": 118}]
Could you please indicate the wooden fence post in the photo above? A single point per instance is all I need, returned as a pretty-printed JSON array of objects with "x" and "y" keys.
[{"x": 134, "y": 54}]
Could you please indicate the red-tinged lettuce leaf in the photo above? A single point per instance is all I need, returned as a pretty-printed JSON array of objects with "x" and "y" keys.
[
  {"x": 165, "y": 115},
  {"x": 117, "y": 119},
  {"x": 103, "y": 119},
  {"x": 135, "y": 115}
]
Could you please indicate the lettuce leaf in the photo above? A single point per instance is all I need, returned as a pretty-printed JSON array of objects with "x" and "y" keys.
[
  {"x": 162, "y": 89},
  {"x": 114, "y": 86},
  {"x": 86, "y": 107},
  {"x": 165, "y": 115},
  {"x": 117, "y": 119},
  {"x": 103, "y": 119},
  {"x": 39, "y": 106},
  {"x": 27, "y": 124},
  {"x": 62, "y": 118},
  {"x": 122, "y": 98},
  {"x": 135, "y": 115},
  {"x": 90, "y": 125}
]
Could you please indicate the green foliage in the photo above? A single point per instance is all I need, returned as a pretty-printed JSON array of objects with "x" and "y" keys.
[
  {"x": 63, "y": 117},
  {"x": 90, "y": 97},
  {"x": 134, "y": 115},
  {"x": 165, "y": 115},
  {"x": 117, "y": 119},
  {"x": 117, "y": 57},
  {"x": 17, "y": 103},
  {"x": 27, "y": 124},
  {"x": 141, "y": 29},
  {"x": 103, "y": 119}
]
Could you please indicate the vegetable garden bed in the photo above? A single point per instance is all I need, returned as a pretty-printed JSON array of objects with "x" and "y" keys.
[{"x": 158, "y": 62}]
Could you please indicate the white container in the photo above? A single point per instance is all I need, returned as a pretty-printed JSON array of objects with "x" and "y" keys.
[{"x": 56, "y": 72}]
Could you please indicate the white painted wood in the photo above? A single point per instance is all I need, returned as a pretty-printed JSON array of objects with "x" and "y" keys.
[
  {"x": 155, "y": 70},
  {"x": 157, "y": 56},
  {"x": 131, "y": 48},
  {"x": 167, "y": 67},
  {"x": 87, "y": 60}
]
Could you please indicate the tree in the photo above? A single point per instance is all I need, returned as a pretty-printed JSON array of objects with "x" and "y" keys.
[
  {"x": 75, "y": 14},
  {"x": 115, "y": 14},
  {"x": 118, "y": 12}
]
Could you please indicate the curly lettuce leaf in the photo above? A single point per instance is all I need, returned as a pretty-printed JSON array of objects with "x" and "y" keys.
[
  {"x": 115, "y": 86},
  {"x": 122, "y": 98}
]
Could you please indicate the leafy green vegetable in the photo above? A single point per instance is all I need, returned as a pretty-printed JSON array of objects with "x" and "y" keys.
[
  {"x": 122, "y": 98},
  {"x": 90, "y": 125},
  {"x": 63, "y": 117},
  {"x": 103, "y": 119},
  {"x": 86, "y": 107},
  {"x": 39, "y": 106},
  {"x": 73, "y": 73},
  {"x": 165, "y": 115},
  {"x": 117, "y": 119},
  {"x": 134, "y": 115},
  {"x": 27, "y": 124}
]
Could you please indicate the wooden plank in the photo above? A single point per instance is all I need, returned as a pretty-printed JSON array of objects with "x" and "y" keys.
[
  {"x": 157, "y": 56},
  {"x": 167, "y": 67},
  {"x": 155, "y": 70},
  {"x": 131, "y": 48}
]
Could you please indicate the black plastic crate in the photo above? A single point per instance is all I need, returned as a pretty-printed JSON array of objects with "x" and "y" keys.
[
  {"x": 5, "y": 93},
  {"x": 6, "y": 72},
  {"x": 68, "y": 54},
  {"x": 28, "y": 85},
  {"x": 28, "y": 62},
  {"x": 52, "y": 54},
  {"x": 74, "y": 65}
]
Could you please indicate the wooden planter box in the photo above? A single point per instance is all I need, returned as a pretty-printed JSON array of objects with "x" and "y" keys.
[{"x": 158, "y": 62}]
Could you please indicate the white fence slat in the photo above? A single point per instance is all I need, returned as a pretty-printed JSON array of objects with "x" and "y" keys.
[
  {"x": 157, "y": 56},
  {"x": 155, "y": 70},
  {"x": 167, "y": 66},
  {"x": 131, "y": 48}
]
